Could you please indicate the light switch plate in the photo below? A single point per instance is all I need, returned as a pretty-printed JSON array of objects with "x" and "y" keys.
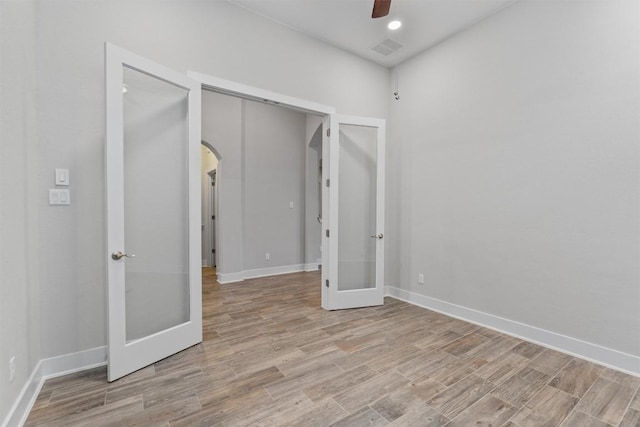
[
  {"x": 59, "y": 197},
  {"x": 62, "y": 176}
]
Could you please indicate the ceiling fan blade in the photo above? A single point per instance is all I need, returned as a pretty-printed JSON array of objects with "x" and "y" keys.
[{"x": 380, "y": 8}]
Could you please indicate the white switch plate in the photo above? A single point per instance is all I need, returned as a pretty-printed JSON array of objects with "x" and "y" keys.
[
  {"x": 267, "y": 256},
  {"x": 290, "y": 205},
  {"x": 421, "y": 278},
  {"x": 59, "y": 197},
  {"x": 62, "y": 176}
]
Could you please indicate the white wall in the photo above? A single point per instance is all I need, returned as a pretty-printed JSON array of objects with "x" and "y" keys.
[
  {"x": 19, "y": 335},
  {"x": 213, "y": 37},
  {"x": 514, "y": 168}
]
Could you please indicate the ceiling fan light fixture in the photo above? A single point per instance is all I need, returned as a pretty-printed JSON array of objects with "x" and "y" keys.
[{"x": 394, "y": 25}]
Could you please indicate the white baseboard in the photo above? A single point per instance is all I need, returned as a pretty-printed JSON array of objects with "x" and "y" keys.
[
  {"x": 51, "y": 368},
  {"x": 224, "y": 278},
  {"x": 314, "y": 266},
  {"x": 272, "y": 271},
  {"x": 614, "y": 359}
]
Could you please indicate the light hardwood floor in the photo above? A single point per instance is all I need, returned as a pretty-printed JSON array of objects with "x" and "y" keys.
[{"x": 272, "y": 357}]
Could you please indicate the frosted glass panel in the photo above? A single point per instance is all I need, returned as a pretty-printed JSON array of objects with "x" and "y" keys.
[
  {"x": 155, "y": 198},
  {"x": 357, "y": 207}
]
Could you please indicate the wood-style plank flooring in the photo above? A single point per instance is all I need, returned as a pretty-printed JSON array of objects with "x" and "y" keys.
[{"x": 272, "y": 357}]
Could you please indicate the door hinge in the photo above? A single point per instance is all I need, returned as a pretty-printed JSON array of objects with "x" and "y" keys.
[
  {"x": 328, "y": 131},
  {"x": 327, "y": 232},
  {"x": 328, "y": 182},
  {"x": 326, "y": 283},
  {"x": 213, "y": 217},
  {"x": 213, "y": 251}
]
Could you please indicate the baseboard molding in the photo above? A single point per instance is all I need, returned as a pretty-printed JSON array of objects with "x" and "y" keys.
[
  {"x": 608, "y": 357},
  {"x": 224, "y": 278},
  {"x": 273, "y": 271},
  {"x": 314, "y": 266},
  {"x": 51, "y": 368}
]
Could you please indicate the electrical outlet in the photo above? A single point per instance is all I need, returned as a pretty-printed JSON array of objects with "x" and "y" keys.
[
  {"x": 12, "y": 369},
  {"x": 267, "y": 256},
  {"x": 420, "y": 278}
]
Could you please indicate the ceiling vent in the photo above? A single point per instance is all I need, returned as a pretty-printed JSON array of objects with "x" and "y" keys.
[{"x": 386, "y": 47}]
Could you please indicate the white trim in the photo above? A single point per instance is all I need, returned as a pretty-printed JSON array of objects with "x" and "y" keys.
[
  {"x": 273, "y": 271},
  {"x": 608, "y": 357},
  {"x": 229, "y": 87},
  {"x": 47, "y": 369},
  {"x": 314, "y": 266},
  {"x": 224, "y": 278}
]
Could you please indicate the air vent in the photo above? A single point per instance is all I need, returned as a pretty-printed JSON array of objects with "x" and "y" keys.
[{"x": 386, "y": 47}]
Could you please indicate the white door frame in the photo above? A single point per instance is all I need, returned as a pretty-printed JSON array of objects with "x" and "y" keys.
[
  {"x": 213, "y": 208},
  {"x": 228, "y": 87},
  {"x": 330, "y": 119},
  {"x": 126, "y": 357}
]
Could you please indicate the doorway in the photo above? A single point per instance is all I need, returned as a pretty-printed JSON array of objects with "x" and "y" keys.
[{"x": 210, "y": 161}]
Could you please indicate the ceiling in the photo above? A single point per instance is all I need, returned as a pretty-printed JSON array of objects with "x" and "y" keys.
[{"x": 347, "y": 24}]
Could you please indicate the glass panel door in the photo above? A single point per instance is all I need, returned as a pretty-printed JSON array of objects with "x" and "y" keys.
[
  {"x": 356, "y": 213},
  {"x": 156, "y": 141},
  {"x": 357, "y": 207},
  {"x": 153, "y": 212}
]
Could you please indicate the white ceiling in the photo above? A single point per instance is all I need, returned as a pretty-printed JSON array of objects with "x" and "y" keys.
[{"x": 347, "y": 24}]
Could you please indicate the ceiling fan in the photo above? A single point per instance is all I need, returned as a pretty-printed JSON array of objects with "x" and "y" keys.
[{"x": 380, "y": 8}]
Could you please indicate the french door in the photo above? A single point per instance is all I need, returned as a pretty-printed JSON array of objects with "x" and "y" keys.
[
  {"x": 353, "y": 202},
  {"x": 153, "y": 211}
]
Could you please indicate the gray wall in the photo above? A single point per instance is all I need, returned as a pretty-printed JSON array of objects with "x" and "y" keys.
[
  {"x": 514, "y": 165},
  {"x": 222, "y": 130},
  {"x": 19, "y": 191},
  {"x": 274, "y": 174},
  {"x": 262, "y": 170}
]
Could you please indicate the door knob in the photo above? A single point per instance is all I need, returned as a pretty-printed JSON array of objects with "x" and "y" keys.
[
  {"x": 379, "y": 236},
  {"x": 119, "y": 255}
]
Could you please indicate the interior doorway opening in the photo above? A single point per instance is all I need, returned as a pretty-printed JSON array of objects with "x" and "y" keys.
[{"x": 209, "y": 164}]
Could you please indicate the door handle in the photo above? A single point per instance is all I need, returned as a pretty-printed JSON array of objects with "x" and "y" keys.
[
  {"x": 116, "y": 256},
  {"x": 379, "y": 236}
]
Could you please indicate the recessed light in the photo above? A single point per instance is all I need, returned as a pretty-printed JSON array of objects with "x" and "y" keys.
[{"x": 394, "y": 25}]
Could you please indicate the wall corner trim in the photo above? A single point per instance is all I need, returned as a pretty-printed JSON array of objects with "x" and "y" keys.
[
  {"x": 608, "y": 357},
  {"x": 51, "y": 368}
]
